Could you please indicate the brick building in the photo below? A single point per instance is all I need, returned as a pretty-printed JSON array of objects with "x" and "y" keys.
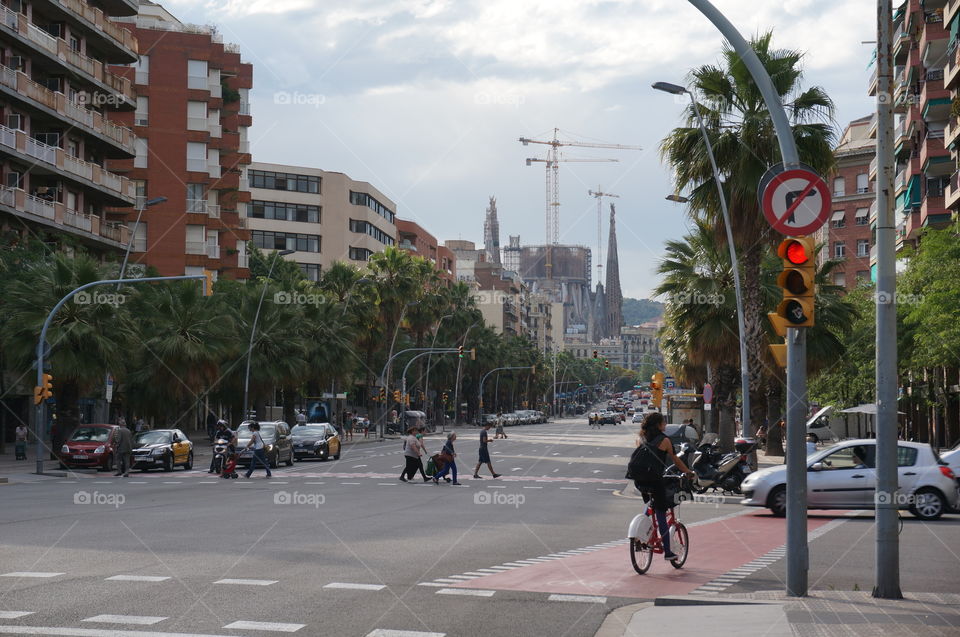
[
  {"x": 191, "y": 120},
  {"x": 415, "y": 240}
]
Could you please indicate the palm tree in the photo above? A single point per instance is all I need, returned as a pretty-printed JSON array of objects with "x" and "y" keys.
[{"x": 745, "y": 146}]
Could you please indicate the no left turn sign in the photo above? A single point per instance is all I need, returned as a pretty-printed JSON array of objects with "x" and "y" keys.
[{"x": 795, "y": 201}]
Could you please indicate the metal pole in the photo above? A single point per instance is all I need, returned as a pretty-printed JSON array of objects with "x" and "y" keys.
[
  {"x": 426, "y": 382},
  {"x": 456, "y": 385},
  {"x": 253, "y": 330},
  {"x": 126, "y": 254},
  {"x": 744, "y": 363},
  {"x": 887, "y": 583},
  {"x": 797, "y": 553}
]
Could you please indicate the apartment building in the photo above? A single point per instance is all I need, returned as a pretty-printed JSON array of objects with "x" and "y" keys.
[
  {"x": 323, "y": 216},
  {"x": 501, "y": 297},
  {"x": 951, "y": 81},
  {"x": 191, "y": 119},
  {"x": 413, "y": 238},
  {"x": 640, "y": 346},
  {"x": 847, "y": 235},
  {"x": 57, "y": 96},
  {"x": 922, "y": 49}
]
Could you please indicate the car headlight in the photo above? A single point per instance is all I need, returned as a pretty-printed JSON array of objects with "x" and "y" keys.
[
  {"x": 100, "y": 449},
  {"x": 64, "y": 449},
  {"x": 158, "y": 451}
]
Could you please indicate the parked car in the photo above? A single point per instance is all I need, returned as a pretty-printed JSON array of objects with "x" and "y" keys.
[
  {"x": 952, "y": 458},
  {"x": 819, "y": 426},
  {"x": 164, "y": 448},
  {"x": 90, "y": 447},
  {"x": 489, "y": 418},
  {"x": 844, "y": 477},
  {"x": 276, "y": 438},
  {"x": 316, "y": 440}
]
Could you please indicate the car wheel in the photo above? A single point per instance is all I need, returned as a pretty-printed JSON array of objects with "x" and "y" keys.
[
  {"x": 777, "y": 501},
  {"x": 928, "y": 504},
  {"x": 108, "y": 465},
  {"x": 290, "y": 460},
  {"x": 168, "y": 462},
  {"x": 189, "y": 464}
]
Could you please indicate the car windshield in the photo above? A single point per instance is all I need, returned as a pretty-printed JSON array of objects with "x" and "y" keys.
[
  {"x": 91, "y": 434},
  {"x": 153, "y": 438},
  {"x": 266, "y": 431},
  {"x": 309, "y": 431}
]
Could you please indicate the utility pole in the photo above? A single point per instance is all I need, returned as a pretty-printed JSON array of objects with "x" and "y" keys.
[{"x": 887, "y": 583}]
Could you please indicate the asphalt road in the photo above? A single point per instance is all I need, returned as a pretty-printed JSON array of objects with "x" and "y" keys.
[{"x": 344, "y": 548}]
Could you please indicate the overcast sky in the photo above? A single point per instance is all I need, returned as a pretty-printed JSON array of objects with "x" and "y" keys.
[{"x": 425, "y": 99}]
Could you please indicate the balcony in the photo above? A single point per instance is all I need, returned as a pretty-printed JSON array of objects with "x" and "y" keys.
[
  {"x": 932, "y": 152},
  {"x": 872, "y": 173},
  {"x": 243, "y": 147},
  {"x": 951, "y": 132},
  {"x": 950, "y": 71},
  {"x": 243, "y": 260},
  {"x": 96, "y": 20},
  {"x": 216, "y": 130},
  {"x": 77, "y": 220},
  {"x": 214, "y": 170},
  {"x": 245, "y": 108},
  {"x": 196, "y": 247},
  {"x": 52, "y": 157},
  {"x": 213, "y": 210},
  {"x": 60, "y": 215},
  {"x": 950, "y": 10},
  {"x": 213, "y": 251},
  {"x": 197, "y": 165},
  {"x": 198, "y": 206},
  {"x": 900, "y": 182},
  {"x": 951, "y": 196}
]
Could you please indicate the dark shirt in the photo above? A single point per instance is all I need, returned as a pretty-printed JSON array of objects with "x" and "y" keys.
[
  {"x": 448, "y": 448},
  {"x": 655, "y": 446},
  {"x": 483, "y": 439},
  {"x": 124, "y": 440}
]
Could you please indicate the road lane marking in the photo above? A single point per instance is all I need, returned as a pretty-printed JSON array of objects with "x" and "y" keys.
[
  {"x": 140, "y": 620},
  {"x": 137, "y": 578},
  {"x": 30, "y": 574},
  {"x": 102, "y": 482},
  {"x": 14, "y": 614},
  {"x": 386, "y": 632},
  {"x": 359, "y": 587},
  {"x": 571, "y": 488},
  {"x": 275, "y": 627},
  {"x": 20, "y": 631},
  {"x": 351, "y": 483},
  {"x": 247, "y": 582},
  {"x": 214, "y": 482},
  {"x": 590, "y": 599},
  {"x": 173, "y": 482},
  {"x": 472, "y": 592},
  {"x": 387, "y": 484},
  {"x": 357, "y": 466},
  {"x": 532, "y": 487},
  {"x": 314, "y": 482}
]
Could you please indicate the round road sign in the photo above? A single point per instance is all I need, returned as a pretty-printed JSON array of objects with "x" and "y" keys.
[
  {"x": 796, "y": 202},
  {"x": 707, "y": 393}
]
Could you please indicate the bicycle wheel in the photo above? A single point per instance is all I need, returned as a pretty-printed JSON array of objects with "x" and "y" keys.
[
  {"x": 679, "y": 544},
  {"x": 640, "y": 556}
]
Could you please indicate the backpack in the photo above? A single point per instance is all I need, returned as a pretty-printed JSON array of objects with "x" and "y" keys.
[{"x": 645, "y": 467}]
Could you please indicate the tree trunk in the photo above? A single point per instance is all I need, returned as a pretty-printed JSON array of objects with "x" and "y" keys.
[
  {"x": 727, "y": 376},
  {"x": 774, "y": 413},
  {"x": 289, "y": 398},
  {"x": 753, "y": 317}
]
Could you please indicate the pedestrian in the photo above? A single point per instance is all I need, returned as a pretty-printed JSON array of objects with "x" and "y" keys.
[
  {"x": 121, "y": 421},
  {"x": 140, "y": 425},
  {"x": 20, "y": 444},
  {"x": 484, "y": 457},
  {"x": 500, "y": 433},
  {"x": 422, "y": 452},
  {"x": 411, "y": 455},
  {"x": 446, "y": 457},
  {"x": 301, "y": 417},
  {"x": 259, "y": 454},
  {"x": 365, "y": 423},
  {"x": 124, "y": 451}
]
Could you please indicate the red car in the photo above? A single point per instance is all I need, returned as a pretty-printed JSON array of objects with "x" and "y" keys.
[{"x": 90, "y": 447}]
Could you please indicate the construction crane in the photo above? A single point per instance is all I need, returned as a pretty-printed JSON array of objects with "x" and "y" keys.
[
  {"x": 552, "y": 162},
  {"x": 599, "y": 194}
]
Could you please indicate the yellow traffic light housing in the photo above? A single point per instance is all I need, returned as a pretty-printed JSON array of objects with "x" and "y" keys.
[
  {"x": 47, "y": 387},
  {"x": 37, "y": 395},
  {"x": 473, "y": 354},
  {"x": 208, "y": 283},
  {"x": 797, "y": 282}
]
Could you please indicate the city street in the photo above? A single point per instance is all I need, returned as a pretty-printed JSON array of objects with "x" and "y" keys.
[{"x": 344, "y": 548}]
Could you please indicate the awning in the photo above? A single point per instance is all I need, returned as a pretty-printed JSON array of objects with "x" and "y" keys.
[
  {"x": 865, "y": 408},
  {"x": 863, "y": 212},
  {"x": 837, "y": 216}
]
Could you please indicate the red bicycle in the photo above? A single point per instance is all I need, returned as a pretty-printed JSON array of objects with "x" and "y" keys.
[{"x": 645, "y": 540}]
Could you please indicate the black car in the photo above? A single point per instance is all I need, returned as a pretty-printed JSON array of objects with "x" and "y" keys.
[
  {"x": 276, "y": 440},
  {"x": 316, "y": 440},
  {"x": 164, "y": 448}
]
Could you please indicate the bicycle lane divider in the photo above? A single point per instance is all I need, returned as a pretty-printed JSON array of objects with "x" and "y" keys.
[{"x": 716, "y": 548}]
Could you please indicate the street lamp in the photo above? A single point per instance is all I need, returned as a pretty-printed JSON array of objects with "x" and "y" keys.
[
  {"x": 133, "y": 234},
  {"x": 426, "y": 382},
  {"x": 675, "y": 89},
  {"x": 456, "y": 385},
  {"x": 253, "y": 330}
]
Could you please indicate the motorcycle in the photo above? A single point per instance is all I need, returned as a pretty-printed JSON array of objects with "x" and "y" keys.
[
  {"x": 221, "y": 452},
  {"x": 722, "y": 471}
]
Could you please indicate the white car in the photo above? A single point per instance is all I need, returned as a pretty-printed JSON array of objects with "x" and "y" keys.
[
  {"x": 638, "y": 417},
  {"x": 819, "y": 426},
  {"x": 843, "y": 477}
]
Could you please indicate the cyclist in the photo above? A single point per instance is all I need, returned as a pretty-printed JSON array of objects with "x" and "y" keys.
[{"x": 652, "y": 435}]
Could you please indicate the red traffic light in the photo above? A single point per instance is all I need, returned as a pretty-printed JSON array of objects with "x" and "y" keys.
[{"x": 796, "y": 253}]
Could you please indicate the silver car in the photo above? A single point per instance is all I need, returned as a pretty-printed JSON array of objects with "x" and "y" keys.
[{"x": 844, "y": 477}]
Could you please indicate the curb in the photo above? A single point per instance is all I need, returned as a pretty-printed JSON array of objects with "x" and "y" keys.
[
  {"x": 616, "y": 622},
  {"x": 696, "y": 600}
]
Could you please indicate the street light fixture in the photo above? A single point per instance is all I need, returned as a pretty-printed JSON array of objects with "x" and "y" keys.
[
  {"x": 677, "y": 198},
  {"x": 253, "y": 330},
  {"x": 133, "y": 233},
  {"x": 676, "y": 89}
]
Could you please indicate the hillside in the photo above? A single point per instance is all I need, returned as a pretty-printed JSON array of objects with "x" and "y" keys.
[{"x": 637, "y": 311}]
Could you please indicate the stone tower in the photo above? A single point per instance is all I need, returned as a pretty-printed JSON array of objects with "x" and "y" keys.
[
  {"x": 614, "y": 297},
  {"x": 491, "y": 233}
]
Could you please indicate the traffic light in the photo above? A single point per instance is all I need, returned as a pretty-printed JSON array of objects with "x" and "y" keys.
[
  {"x": 396, "y": 395},
  {"x": 606, "y": 363},
  {"x": 797, "y": 281},
  {"x": 473, "y": 354},
  {"x": 460, "y": 351},
  {"x": 208, "y": 284},
  {"x": 656, "y": 388},
  {"x": 44, "y": 391},
  {"x": 595, "y": 354},
  {"x": 444, "y": 397}
]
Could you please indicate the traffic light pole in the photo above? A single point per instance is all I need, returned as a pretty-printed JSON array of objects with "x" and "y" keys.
[
  {"x": 41, "y": 411},
  {"x": 484, "y": 379},
  {"x": 797, "y": 550}
]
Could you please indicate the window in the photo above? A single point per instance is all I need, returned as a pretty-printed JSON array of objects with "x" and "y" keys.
[
  {"x": 863, "y": 216},
  {"x": 838, "y": 219},
  {"x": 838, "y": 187},
  {"x": 141, "y": 188},
  {"x": 849, "y": 458},
  {"x": 140, "y": 146},
  {"x": 863, "y": 183},
  {"x": 14, "y": 179},
  {"x": 196, "y": 200},
  {"x": 935, "y": 187},
  {"x": 197, "y": 74},
  {"x": 906, "y": 456},
  {"x": 267, "y": 240},
  {"x": 863, "y": 247},
  {"x": 840, "y": 278},
  {"x": 284, "y": 211},
  {"x": 311, "y": 271},
  {"x": 359, "y": 254},
  {"x": 365, "y": 227},
  {"x": 839, "y": 250},
  {"x": 71, "y": 201},
  {"x": 142, "y": 115},
  {"x": 142, "y": 70},
  {"x": 863, "y": 276},
  {"x": 139, "y": 237},
  {"x": 196, "y": 239},
  {"x": 363, "y": 199},
  {"x": 196, "y": 157},
  {"x": 213, "y": 162},
  {"x": 284, "y": 181},
  {"x": 196, "y": 115}
]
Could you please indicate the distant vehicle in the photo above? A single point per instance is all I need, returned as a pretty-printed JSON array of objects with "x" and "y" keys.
[
  {"x": 638, "y": 417},
  {"x": 488, "y": 418},
  {"x": 165, "y": 448},
  {"x": 319, "y": 441},
  {"x": 276, "y": 440},
  {"x": 819, "y": 426}
]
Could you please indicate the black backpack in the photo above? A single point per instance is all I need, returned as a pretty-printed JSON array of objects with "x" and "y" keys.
[{"x": 645, "y": 466}]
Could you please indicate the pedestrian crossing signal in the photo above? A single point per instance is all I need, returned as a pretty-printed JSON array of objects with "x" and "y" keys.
[{"x": 460, "y": 351}]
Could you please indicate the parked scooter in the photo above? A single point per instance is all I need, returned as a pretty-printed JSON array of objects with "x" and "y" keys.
[
  {"x": 221, "y": 452},
  {"x": 724, "y": 472}
]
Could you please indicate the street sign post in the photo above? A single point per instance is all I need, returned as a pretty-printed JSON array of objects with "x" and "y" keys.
[
  {"x": 707, "y": 393},
  {"x": 795, "y": 201}
]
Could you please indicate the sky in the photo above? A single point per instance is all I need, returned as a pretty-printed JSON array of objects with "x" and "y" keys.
[{"x": 426, "y": 100}]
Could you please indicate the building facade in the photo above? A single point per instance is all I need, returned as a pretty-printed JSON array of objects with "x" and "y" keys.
[
  {"x": 57, "y": 97},
  {"x": 323, "y": 216},
  {"x": 191, "y": 119},
  {"x": 847, "y": 236},
  {"x": 501, "y": 297},
  {"x": 951, "y": 81},
  {"x": 465, "y": 255},
  {"x": 412, "y": 237}
]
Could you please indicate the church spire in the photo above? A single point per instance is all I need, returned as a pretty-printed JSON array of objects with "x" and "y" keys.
[
  {"x": 614, "y": 297},
  {"x": 491, "y": 233}
]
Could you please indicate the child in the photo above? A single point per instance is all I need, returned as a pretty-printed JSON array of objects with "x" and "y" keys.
[{"x": 230, "y": 468}]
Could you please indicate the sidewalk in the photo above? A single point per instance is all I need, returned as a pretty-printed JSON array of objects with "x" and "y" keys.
[{"x": 772, "y": 614}]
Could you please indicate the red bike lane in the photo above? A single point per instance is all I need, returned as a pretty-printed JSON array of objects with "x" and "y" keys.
[{"x": 715, "y": 548}]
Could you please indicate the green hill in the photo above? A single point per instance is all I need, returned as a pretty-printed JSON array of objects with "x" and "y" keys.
[{"x": 637, "y": 311}]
